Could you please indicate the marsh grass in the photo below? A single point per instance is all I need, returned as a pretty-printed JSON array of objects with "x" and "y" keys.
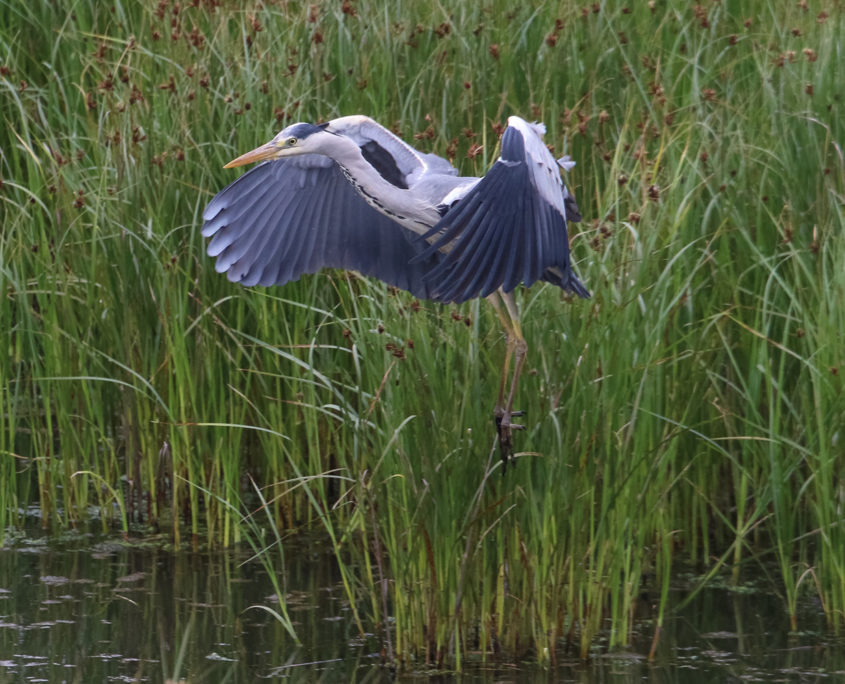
[{"x": 692, "y": 409}]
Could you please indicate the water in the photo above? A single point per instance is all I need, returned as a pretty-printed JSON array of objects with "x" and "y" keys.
[{"x": 88, "y": 610}]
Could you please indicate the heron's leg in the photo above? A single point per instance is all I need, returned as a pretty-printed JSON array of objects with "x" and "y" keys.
[
  {"x": 519, "y": 352},
  {"x": 510, "y": 340},
  {"x": 516, "y": 349}
]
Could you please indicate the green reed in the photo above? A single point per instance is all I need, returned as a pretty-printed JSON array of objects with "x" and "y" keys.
[{"x": 692, "y": 410}]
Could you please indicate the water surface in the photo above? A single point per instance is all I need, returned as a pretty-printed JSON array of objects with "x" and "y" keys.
[{"x": 85, "y": 609}]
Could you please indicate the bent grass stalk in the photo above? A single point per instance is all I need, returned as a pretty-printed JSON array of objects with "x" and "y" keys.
[{"x": 115, "y": 495}]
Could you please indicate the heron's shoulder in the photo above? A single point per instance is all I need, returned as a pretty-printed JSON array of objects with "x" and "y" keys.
[
  {"x": 363, "y": 129},
  {"x": 351, "y": 122},
  {"x": 523, "y": 142},
  {"x": 384, "y": 149},
  {"x": 532, "y": 130}
]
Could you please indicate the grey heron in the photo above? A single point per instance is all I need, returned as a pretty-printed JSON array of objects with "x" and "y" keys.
[{"x": 350, "y": 194}]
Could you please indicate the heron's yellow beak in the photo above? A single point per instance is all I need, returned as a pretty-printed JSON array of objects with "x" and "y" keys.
[{"x": 266, "y": 151}]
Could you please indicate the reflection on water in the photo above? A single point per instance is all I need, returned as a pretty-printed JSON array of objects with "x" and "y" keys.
[
  {"x": 111, "y": 612},
  {"x": 95, "y": 612}
]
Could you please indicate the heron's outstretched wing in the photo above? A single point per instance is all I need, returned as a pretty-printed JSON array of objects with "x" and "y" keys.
[
  {"x": 292, "y": 216},
  {"x": 509, "y": 228}
]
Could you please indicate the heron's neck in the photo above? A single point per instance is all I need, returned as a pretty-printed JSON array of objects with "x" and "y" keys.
[{"x": 401, "y": 205}]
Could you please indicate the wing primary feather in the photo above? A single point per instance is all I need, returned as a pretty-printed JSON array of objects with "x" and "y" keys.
[
  {"x": 444, "y": 234},
  {"x": 483, "y": 203},
  {"x": 330, "y": 217},
  {"x": 571, "y": 207},
  {"x": 444, "y": 231},
  {"x": 231, "y": 198},
  {"x": 527, "y": 271},
  {"x": 516, "y": 255},
  {"x": 560, "y": 244},
  {"x": 540, "y": 246},
  {"x": 464, "y": 233},
  {"x": 513, "y": 145},
  {"x": 448, "y": 271},
  {"x": 466, "y": 275},
  {"x": 257, "y": 228},
  {"x": 280, "y": 261},
  {"x": 348, "y": 243},
  {"x": 507, "y": 243},
  {"x": 235, "y": 223},
  {"x": 236, "y": 239},
  {"x": 297, "y": 243},
  {"x": 274, "y": 226},
  {"x": 301, "y": 257},
  {"x": 488, "y": 274},
  {"x": 501, "y": 242},
  {"x": 277, "y": 260},
  {"x": 221, "y": 200},
  {"x": 467, "y": 215},
  {"x": 280, "y": 227},
  {"x": 472, "y": 246},
  {"x": 447, "y": 276},
  {"x": 304, "y": 254}
]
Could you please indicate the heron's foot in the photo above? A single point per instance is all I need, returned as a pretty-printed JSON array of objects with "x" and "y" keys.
[{"x": 506, "y": 428}]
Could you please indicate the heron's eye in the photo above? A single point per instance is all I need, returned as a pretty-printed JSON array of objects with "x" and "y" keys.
[{"x": 291, "y": 142}]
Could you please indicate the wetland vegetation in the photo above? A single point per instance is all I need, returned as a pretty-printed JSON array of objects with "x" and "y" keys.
[{"x": 691, "y": 412}]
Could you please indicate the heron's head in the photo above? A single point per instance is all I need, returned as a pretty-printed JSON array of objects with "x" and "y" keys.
[{"x": 298, "y": 138}]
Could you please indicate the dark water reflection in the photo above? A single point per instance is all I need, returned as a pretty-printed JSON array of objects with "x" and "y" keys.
[{"x": 86, "y": 611}]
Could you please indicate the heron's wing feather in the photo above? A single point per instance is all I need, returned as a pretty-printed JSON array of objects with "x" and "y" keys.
[
  {"x": 293, "y": 216},
  {"x": 398, "y": 162},
  {"x": 509, "y": 228}
]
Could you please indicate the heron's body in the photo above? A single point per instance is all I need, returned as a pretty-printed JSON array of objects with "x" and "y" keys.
[{"x": 350, "y": 194}]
